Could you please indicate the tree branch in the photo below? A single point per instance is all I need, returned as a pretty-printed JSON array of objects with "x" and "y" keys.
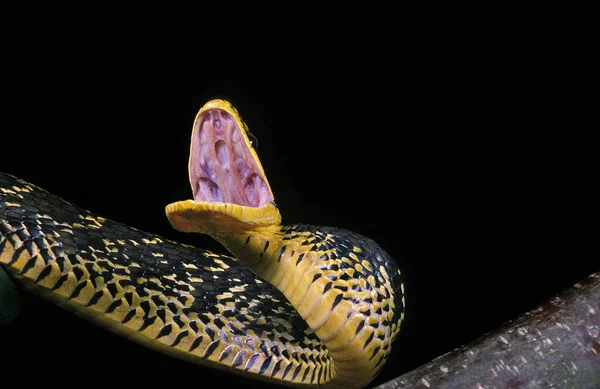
[{"x": 554, "y": 346}]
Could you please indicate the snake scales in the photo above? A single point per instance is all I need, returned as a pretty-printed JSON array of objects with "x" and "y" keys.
[{"x": 327, "y": 316}]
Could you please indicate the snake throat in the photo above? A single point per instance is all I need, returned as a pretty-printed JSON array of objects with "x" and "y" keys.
[{"x": 222, "y": 167}]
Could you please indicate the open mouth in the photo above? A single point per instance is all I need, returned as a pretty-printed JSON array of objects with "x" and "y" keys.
[{"x": 223, "y": 168}]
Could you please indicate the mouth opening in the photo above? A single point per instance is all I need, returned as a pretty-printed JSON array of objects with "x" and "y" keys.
[{"x": 223, "y": 168}]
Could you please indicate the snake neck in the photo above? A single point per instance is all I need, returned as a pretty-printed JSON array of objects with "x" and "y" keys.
[
  {"x": 257, "y": 247},
  {"x": 337, "y": 282}
]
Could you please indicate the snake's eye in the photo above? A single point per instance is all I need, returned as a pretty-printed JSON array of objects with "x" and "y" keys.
[{"x": 253, "y": 140}]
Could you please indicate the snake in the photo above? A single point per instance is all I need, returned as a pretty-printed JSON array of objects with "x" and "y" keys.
[{"x": 296, "y": 305}]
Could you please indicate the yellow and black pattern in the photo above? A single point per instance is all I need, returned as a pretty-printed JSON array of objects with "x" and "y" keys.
[
  {"x": 185, "y": 301},
  {"x": 368, "y": 285},
  {"x": 204, "y": 307}
]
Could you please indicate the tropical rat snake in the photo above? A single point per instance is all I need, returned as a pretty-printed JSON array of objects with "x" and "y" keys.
[{"x": 333, "y": 304}]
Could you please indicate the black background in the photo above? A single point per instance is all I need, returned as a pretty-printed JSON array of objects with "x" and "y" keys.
[{"x": 458, "y": 161}]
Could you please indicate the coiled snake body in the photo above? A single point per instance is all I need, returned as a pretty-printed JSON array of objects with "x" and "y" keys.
[{"x": 295, "y": 305}]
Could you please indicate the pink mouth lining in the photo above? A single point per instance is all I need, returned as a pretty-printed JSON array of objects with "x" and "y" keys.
[{"x": 222, "y": 168}]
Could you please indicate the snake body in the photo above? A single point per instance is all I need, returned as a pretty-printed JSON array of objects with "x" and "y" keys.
[{"x": 295, "y": 305}]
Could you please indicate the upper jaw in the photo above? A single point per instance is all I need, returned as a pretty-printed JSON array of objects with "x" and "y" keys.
[{"x": 223, "y": 166}]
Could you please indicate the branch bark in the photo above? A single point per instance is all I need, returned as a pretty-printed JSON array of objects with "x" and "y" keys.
[{"x": 554, "y": 346}]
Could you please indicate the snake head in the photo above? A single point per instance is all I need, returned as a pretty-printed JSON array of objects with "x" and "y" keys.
[{"x": 229, "y": 186}]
